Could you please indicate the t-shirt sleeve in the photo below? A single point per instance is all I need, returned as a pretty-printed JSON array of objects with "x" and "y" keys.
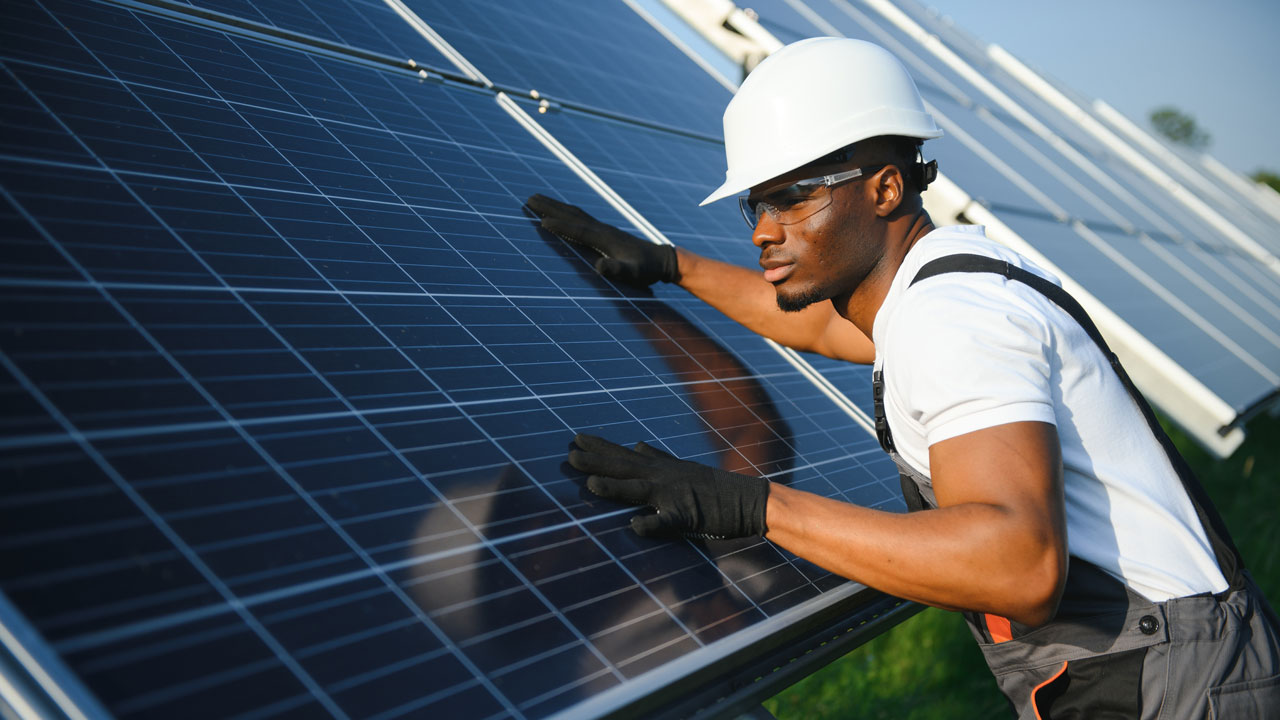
[{"x": 967, "y": 357}]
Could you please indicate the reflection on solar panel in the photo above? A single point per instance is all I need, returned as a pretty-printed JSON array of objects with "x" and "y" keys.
[
  {"x": 1202, "y": 296},
  {"x": 289, "y": 377}
]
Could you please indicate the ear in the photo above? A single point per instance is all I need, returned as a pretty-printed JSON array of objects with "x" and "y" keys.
[{"x": 888, "y": 187}]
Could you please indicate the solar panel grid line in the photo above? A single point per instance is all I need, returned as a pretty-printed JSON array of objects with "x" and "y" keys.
[
  {"x": 294, "y": 39},
  {"x": 1056, "y": 211},
  {"x": 438, "y": 42},
  {"x": 1262, "y": 194},
  {"x": 145, "y": 430},
  {"x": 799, "y": 363},
  {"x": 1261, "y": 302},
  {"x": 749, "y": 597},
  {"x": 1177, "y": 303},
  {"x": 1155, "y": 363},
  {"x": 675, "y": 39},
  {"x": 1154, "y": 147},
  {"x": 552, "y": 102},
  {"x": 361, "y": 25},
  {"x": 654, "y": 235},
  {"x": 1195, "y": 278},
  {"x": 281, "y": 654},
  {"x": 1067, "y": 179},
  {"x": 1212, "y": 289},
  {"x": 1249, "y": 297},
  {"x": 187, "y": 12},
  {"x": 190, "y": 555},
  {"x": 977, "y": 52},
  {"x": 1062, "y": 216},
  {"x": 1002, "y": 100},
  {"x": 611, "y": 703},
  {"x": 115, "y": 634},
  {"x": 651, "y": 233},
  {"x": 553, "y": 57},
  {"x": 321, "y": 512},
  {"x": 1028, "y": 77},
  {"x": 945, "y": 85},
  {"x": 1219, "y": 269}
]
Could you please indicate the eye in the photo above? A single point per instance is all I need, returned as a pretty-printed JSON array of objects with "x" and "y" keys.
[{"x": 791, "y": 196}]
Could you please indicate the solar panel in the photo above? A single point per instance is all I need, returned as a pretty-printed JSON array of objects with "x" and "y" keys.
[
  {"x": 1076, "y": 118},
  {"x": 1126, "y": 241},
  {"x": 571, "y": 51},
  {"x": 289, "y": 377}
]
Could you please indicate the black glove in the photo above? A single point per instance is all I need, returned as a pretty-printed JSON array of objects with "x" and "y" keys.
[
  {"x": 689, "y": 498},
  {"x": 623, "y": 256}
]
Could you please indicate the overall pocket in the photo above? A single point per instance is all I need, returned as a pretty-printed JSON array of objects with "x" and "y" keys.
[
  {"x": 1107, "y": 687},
  {"x": 1248, "y": 700}
]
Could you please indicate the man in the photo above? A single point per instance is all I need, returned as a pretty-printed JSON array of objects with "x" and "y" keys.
[{"x": 1094, "y": 573}]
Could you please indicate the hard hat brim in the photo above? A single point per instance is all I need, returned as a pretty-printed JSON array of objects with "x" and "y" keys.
[{"x": 759, "y": 174}]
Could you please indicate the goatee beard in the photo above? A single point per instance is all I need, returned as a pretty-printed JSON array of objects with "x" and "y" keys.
[{"x": 796, "y": 303}]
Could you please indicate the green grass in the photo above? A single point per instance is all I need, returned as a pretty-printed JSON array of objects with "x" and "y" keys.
[{"x": 929, "y": 667}]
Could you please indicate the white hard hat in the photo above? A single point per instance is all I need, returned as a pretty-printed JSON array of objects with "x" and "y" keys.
[{"x": 812, "y": 98}]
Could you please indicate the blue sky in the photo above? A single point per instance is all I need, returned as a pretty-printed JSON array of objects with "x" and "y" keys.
[{"x": 1217, "y": 61}]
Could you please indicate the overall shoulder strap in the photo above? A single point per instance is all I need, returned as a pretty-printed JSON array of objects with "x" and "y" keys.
[{"x": 1229, "y": 560}]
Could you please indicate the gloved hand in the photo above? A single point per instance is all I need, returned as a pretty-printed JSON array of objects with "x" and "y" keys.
[
  {"x": 623, "y": 256},
  {"x": 688, "y": 498}
]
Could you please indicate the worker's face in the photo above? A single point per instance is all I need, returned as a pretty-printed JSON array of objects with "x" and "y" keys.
[{"x": 826, "y": 255}]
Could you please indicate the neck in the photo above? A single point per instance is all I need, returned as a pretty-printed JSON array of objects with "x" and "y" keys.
[{"x": 861, "y": 306}]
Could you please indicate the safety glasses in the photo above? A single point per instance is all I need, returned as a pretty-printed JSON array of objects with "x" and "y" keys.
[{"x": 799, "y": 200}]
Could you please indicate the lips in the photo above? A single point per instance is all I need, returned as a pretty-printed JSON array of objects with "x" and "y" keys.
[{"x": 776, "y": 269}]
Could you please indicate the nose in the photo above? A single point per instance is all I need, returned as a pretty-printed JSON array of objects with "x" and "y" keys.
[{"x": 767, "y": 232}]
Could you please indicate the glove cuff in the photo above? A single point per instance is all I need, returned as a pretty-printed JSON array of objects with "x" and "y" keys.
[
  {"x": 755, "y": 503},
  {"x": 670, "y": 264}
]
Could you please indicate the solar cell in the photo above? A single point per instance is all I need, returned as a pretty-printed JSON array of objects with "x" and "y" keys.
[{"x": 289, "y": 378}]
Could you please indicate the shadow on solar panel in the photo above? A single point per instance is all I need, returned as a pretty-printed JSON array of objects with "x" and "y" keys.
[{"x": 289, "y": 376}]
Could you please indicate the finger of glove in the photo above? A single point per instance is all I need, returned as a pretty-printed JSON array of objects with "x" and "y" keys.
[
  {"x": 597, "y": 444},
  {"x": 629, "y": 465},
  {"x": 656, "y": 525},
  {"x": 547, "y": 206},
  {"x": 648, "y": 450},
  {"x": 632, "y": 490},
  {"x": 614, "y": 268},
  {"x": 575, "y": 231}
]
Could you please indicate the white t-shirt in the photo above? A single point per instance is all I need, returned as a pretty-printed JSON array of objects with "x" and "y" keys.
[{"x": 967, "y": 351}]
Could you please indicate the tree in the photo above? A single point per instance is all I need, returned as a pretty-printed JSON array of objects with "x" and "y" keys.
[
  {"x": 1179, "y": 127},
  {"x": 1266, "y": 177}
]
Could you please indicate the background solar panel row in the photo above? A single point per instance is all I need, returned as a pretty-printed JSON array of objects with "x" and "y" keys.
[
  {"x": 1237, "y": 208},
  {"x": 1133, "y": 246},
  {"x": 289, "y": 377},
  {"x": 599, "y": 54}
]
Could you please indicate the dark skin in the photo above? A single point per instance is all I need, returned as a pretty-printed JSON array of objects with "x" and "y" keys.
[{"x": 997, "y": 542}]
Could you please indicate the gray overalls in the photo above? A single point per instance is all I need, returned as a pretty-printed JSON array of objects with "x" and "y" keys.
[{"x": 1109, "y": 652}]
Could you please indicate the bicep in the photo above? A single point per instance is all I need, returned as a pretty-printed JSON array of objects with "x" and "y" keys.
[{"x": 1015, "y": 467}]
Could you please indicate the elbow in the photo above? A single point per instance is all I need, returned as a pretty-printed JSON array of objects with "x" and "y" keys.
[{"x": 1040, "y": 591}]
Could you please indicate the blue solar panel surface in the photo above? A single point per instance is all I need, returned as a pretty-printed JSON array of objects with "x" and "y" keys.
[
  {"x": 364, "y": 24},
  {"x": 570, "y": 51},
  {"x": 663, "y": 175},
  {"x": 289, "y": 377},
  {"x": 1237, "y": 209},
  {"x": 1130, "y": 244}
]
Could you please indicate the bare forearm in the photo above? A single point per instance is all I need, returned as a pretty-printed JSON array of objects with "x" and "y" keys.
[
  {"x": 966, "y": 557},
  {"x": 745, "y": 296}
]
